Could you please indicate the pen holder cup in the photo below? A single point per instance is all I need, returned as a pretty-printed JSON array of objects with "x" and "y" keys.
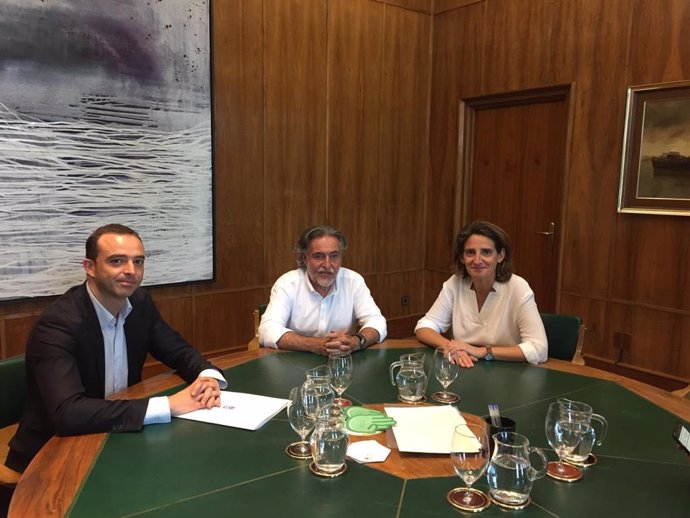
[{"x": 507, "y": 425}]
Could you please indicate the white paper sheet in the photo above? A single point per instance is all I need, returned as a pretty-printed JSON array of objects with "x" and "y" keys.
[
  {"x": 240, "y": 410},
  {"x": 424, "y": 429}
]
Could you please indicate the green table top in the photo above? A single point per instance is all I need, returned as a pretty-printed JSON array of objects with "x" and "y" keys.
[{"x": 189, "y": 468}]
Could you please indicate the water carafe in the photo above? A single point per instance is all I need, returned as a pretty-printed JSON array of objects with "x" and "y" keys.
[
  {"x": 329, "y": 440},
  {"x": 510, "y": 474},
  {"x": 411, "y": 379},
  {"x": 319, "y": 380},
  {"x": 591, "y": 436}
]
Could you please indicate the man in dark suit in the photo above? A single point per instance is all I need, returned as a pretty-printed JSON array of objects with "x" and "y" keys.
[{"x": 92, "y": 342}]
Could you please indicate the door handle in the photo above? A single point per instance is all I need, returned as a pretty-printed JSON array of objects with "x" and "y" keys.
[{"x": 550, "y": 235}]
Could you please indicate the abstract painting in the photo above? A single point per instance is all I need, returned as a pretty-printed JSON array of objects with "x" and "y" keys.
[{"x": 105, "y": 117}]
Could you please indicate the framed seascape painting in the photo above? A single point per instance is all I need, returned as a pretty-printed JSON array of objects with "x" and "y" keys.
[
  {"x": 105, "y": 117},
  {"x": 655, "y": 168}
]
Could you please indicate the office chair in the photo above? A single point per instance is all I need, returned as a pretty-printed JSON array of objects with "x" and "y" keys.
[
  {"x": 12, "y": 397},
  {"x": 258, "y": 312},
  {"x": 564, "y": 334}
]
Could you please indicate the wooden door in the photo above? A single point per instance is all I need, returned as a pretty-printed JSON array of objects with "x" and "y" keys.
[{"x": 516, "y": 154}]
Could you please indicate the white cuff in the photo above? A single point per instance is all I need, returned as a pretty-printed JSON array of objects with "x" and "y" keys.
[
  {"x": 213, "y": 373},
  {"x": 158, "y": 411}
]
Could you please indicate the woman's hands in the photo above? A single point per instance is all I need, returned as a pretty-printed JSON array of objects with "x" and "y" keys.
[{"x": 464, "y": 354}]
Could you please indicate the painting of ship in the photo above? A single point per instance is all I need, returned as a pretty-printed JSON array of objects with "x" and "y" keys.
[{"x": 671, "y": 163}]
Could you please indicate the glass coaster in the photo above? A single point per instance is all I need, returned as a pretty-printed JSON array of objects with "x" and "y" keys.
[
  {"x": 445, "y": 397},
  {"x": 478, "y": 500},
  {"x": 295, "y": 451},
  {"x": 570, "y": 473},
  {"x": 316, "y": 471},
  {"x": 514, "y": 507},
  {"x": 422, "y": 400},
  {"x": 591, "y": 460}
]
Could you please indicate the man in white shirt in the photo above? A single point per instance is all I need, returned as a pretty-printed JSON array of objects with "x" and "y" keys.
[{"x": 321, "y": 307}]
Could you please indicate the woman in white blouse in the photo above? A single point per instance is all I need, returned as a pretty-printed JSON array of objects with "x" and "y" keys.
[{"x": 491, "y": 310}]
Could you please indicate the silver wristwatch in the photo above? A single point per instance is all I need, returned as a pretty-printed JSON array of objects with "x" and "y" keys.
[{"x": 362, "y": 341}]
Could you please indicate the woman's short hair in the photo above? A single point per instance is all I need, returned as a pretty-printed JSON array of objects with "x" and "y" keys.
[
  {"x": 315, "y": 232},
  {"x": 504, "y": 269}
]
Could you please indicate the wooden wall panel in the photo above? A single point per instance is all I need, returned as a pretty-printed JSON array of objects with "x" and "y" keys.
[
  {"x": 225, "y": 321},
  {"x": 658, "y": 45},
  {"x": 388, "y": 289},
  {"x": 518, "y": 47},
  {"x": 646, "y": 329},
  {"x": 238, "y": 143},
  {"x": 591, "y": 192},
  {"x": 16, "y": 334},
  {"x": 433, "y": 282},
  {"x": 179, "y": 314},
  {"x": 650, "y": 262},
  {"x": 441, "y": 6},
  {"x": 403, "y": 139},
  {"x": 294, "y": 57},
  {"x": 457, "y": 74},
  {"x": 354, "y": 100},
  {"x": 422, "y": 6}
]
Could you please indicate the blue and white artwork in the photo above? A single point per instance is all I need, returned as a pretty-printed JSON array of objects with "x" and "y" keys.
[{"x": 105, "y": 117}]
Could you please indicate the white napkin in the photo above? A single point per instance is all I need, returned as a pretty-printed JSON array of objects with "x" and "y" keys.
[{"x": 367, "y": 451}]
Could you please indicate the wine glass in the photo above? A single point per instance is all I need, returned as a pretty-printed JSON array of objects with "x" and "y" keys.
[
  {"x": 301, "y": 410},
  {"x": 563, "y": 431},
  {"x": 446, "y": 372},
  {"x": 469, "y": 454},
  {"x": 341, "y": 375}
]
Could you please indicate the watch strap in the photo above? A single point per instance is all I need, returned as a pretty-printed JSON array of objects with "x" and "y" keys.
[{"x": 362, "y": 341}]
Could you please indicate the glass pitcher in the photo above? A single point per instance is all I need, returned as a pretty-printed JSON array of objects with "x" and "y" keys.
[
  {"x": 319, "y": 380},
  {"x": 411, "y": 379},
  {"x": 584, "y": 416},
  {"x": 510, "y": 474},
  {"x": 329, "y": 440}
]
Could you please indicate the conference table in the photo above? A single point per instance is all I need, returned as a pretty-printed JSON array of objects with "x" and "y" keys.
[{"x": 189, "y": 468}]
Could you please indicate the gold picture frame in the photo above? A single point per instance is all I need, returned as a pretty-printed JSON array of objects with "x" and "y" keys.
[{"x": 655, "y": 166}]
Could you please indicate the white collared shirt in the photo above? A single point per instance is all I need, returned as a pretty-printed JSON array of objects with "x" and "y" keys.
[
  {"x": 296, "y": 306},
  {"x": 114, "y": 343}
]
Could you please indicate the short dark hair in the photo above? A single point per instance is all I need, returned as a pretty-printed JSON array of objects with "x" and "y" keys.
[
  {"x": 315, "y": 232},
  {"x": 111, "y": 228},
  {"x": 504, "y": 269}
]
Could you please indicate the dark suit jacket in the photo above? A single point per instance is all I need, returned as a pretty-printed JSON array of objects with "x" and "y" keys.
[{"x": 65, "y": 365}]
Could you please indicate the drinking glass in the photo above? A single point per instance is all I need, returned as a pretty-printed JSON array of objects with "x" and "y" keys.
[
  {"x": 563, "y": 431},
  {"x": 301, "y": 420},
  {"x": 342, "y": 370},
  {"x": 470, "y": 455},
  {"x": 446, "y": 372}
]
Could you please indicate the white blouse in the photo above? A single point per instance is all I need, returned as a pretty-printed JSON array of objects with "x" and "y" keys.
[{"x": 509, "y": 316}]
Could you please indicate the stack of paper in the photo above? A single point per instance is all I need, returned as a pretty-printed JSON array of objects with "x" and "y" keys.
[
  {"x": 424, "y": 429},
  {"x": 239, "y": 410}
]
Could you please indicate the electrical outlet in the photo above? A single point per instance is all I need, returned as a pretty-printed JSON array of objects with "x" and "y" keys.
[{"x": 404, "y": 300}]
